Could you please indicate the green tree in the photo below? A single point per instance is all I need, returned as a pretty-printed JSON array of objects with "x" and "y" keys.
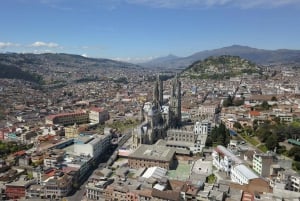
[
  {"x": 265, "y": 105},
  {"x": 237, "y": 125},
  {"x": 228, "y": 102},
  {"x": 273, "y": 98},
  {"x": 293, "y": 151},
  {"x": 271, "y": 142}
]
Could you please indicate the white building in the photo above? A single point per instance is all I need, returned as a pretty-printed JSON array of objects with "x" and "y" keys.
[
  {"x": 295, "y": 183},
  {"x": 98, "y": 115},
  {"x": 94, "y": 147},
  {"x": 242, "y": 174},
  {"x": 223, "y": 159},
  {"x": 202, "y": 128}
]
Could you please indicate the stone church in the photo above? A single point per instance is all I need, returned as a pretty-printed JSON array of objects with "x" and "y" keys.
[{"x": 156, "y": 117}]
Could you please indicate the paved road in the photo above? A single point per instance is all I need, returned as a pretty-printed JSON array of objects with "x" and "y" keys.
[{"x": 79, "y": 194}]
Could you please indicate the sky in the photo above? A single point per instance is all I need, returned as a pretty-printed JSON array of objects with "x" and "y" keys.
[{"x": 139, "y": 30}]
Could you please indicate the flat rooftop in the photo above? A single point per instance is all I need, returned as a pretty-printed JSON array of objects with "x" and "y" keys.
[{"x": 153, "y": 152}]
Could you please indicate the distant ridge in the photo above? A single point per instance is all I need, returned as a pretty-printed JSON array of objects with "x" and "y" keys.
[
  {"x": 32, "y": 67},
  {"x": 259, "y": 56}
]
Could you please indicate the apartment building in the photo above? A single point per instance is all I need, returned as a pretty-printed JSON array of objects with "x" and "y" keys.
[
  {"x": 98, "y": 115},
  {"x": 262, "y": 163}
]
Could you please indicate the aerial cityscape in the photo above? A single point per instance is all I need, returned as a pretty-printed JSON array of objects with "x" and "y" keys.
[{"x": 150, "y": 100}]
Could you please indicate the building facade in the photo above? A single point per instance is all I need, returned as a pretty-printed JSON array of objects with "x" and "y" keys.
[
  {"x": 242, "y": 174},
  {"x": 68, "y": 118},
  {"x": 262, "y": 163},
  {"x": 98, "y": 115}
]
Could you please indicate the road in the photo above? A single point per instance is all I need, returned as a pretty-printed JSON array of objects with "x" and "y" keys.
[{"x": 79, "y": 194}]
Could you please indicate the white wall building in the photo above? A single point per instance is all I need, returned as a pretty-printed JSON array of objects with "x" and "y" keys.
[
  {"x": 202, "y": 128},
  {"x": 98, "y": 115},
  {"x": 242, "y": 174},
  {"x": 94, "y": 147},
  {"x": 223, "y": 159}
]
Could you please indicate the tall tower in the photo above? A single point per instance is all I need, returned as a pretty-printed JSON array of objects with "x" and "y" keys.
[
  {"x": 175, "y": 104},
  {"x": 161, "y": 92},
  {"x": 158, "y": 92}
]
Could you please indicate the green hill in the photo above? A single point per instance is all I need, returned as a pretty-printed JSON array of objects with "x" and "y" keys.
[
  {"x": 220, "y": 67},
  {"x": 12, "y": 72}
]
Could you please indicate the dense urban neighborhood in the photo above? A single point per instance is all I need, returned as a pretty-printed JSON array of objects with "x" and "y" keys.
[{"x": 86, "y": 129}]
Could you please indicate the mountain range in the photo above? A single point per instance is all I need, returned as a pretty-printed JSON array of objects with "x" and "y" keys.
[{"x": 259, "y": 56}]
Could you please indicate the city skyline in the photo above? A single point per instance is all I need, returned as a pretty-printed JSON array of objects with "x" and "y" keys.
[{"x": 138, "y": 30}]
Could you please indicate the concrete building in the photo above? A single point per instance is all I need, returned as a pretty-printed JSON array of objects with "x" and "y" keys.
[
  {"x": 262, "y": 163},
  {"x": 68, "y": 118},
  {"x": 150, "y": 156},
  {"x": 57, "y": 186},
  {"x": 98, "y": 115},
  {"x": 16, "y": 190},
  {"x": 295, "y": 183},
  {"x": 202, "y": 127},
  {"x": 223, "y": 159},
  {"x": 72, "y": 131},
  {"x": 53, "y": 158},
  {"x": 242, "y": 174},
  {"x": 96, "y": 190},
  {"x": 93, "y": 146},
  {"x": 208, "y": 110}
]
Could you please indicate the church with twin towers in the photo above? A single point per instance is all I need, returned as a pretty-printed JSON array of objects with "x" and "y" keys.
[{"x": 159, "y": 115}]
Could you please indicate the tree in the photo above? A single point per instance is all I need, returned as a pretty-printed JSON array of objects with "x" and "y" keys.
[
  {"x": 220, "y": 135},
  {"x": 273, "y": 98},
  {"x": 271, "y": 142},
  {"x": 228, "y": 102},
  {"x": 237, "y": 125},
  {"x": 208, "y": 142},
  {"x": 293, "y": 151},
  {"x": 265, "y": 105}
]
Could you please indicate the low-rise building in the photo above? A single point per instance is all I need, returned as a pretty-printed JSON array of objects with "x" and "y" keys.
[
  {"x": 17, "y": 189},
  {"x": 223, "y": 159},
  {"x": 242, "y": 174},
  {"x": 68, "y": 118},
  {"x": 152, "y": 155},
  {"x": 57, "y": 186},
  {"x": 98, "y": 115}
]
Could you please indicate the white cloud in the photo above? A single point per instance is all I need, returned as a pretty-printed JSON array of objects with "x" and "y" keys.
[
  {"x": 44, "y": 44},
  {"x": 4, "y": 45},
  {"x": 211, "y": 3},
  {"x": 42, "y": 51}
]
